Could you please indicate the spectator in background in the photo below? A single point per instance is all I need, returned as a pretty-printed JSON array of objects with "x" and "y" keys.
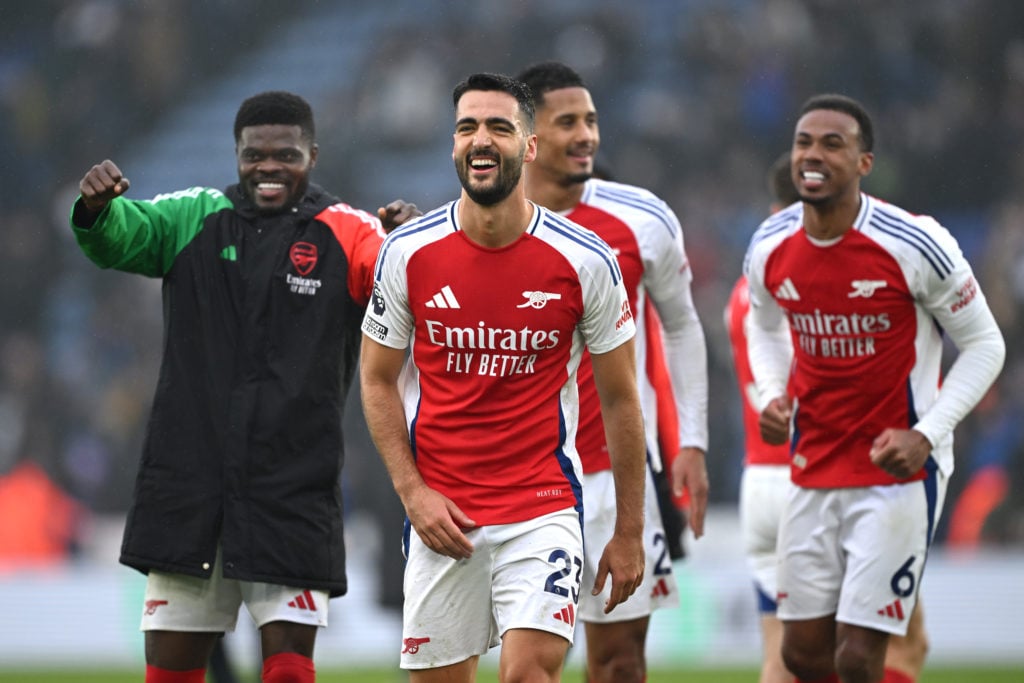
[
  {"x": 765, "y": 485},
  {"x": 867, "y": 290},
  {"x": 40, "y": 524},
  {"x": 648, "y": 242},
  {"x": 237, "y": 498}
]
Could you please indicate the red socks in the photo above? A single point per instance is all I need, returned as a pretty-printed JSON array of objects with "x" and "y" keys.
[
  {"x": 157, "y": 675},
  {"x": 891, "y": 676},
  {"x": 287, "y": 667}
]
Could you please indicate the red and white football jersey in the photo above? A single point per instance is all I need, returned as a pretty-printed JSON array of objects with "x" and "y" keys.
[
  {"x": 496, "y": 338},
  {"x": 866, "y": 314},
  {"x": 647, "y": 239}
]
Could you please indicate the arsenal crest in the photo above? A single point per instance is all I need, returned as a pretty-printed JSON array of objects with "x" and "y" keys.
[{"x": 303, "y": 255}]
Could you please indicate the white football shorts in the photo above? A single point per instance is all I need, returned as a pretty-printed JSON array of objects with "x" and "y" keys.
[
  {"x": 521, "y": 575},
  {"x": 658, "y": 588},
  {"x": 858, "y": 553},
  {"x": 178, "y": 602},
  {"x": 764, "y": 490}
]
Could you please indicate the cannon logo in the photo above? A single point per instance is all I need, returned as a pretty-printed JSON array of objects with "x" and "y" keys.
[
  {"x": 151, "y": 606},
  {"x": 411, "y": 646},
  {"x": 865, "y": 288},
  {"x": 538, "y": 299}
]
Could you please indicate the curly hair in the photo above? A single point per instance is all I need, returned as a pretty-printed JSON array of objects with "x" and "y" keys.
[{"x": 275, "y": 107}]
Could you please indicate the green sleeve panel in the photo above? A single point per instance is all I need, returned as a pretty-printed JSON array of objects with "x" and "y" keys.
[{"x": 145, "y": 236}]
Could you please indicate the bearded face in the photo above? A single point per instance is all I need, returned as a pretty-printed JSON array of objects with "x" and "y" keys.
[{"x": 487, "y": 176}]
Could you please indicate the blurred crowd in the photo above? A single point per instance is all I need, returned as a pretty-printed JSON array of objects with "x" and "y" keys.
[{"x": 696, "y": 98}]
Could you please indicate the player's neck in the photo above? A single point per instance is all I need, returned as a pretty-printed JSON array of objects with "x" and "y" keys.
[
  {"x": 498, "y": 225},
  {"x": 551, "y": 194},
  {"x": 831, "y": 220}
]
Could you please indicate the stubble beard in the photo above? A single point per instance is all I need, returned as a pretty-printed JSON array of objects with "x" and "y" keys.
[{"x": 497, "y": 191}]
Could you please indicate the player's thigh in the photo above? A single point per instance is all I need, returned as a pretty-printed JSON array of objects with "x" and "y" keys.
[
  {"x": 616, "y": 641},
  {"x": 809, "y": 641},
  {"x": 460, "y": 672},
  {"x": 907, "y": 653},
  {"x": 285, "y": 636},
  {"x": 773, "y": 670},
  {"x": 860, "y": 648},
  {"x": 179, "y": 650},
  {"x": 531, "y": 655}
]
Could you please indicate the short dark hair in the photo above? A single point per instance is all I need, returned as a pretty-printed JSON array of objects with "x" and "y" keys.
[
  {"x": 846, "y": 105},
  {"x": 502, "y": 83},
  {"x": 544, "y": 77},
  {"x": 780, "y": 181},
  {"x": 275, "y": 107}
]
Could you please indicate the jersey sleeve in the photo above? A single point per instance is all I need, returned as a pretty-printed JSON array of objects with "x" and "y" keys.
[
  {"x": 667, "y": 279},
  {"x": 607, "y": 319},
  {"x": 360, "y": 235},
  {"x": 769, "y": 346},
  {"x": 948, "y": 290},
  {"x": 388, "y": 318},
  {"x": 145, "y": 236}
]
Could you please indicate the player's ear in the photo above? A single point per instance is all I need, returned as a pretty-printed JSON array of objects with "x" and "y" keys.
[
  {"x": 866, "y": 163},
  {"x": 531, "y": 148}
]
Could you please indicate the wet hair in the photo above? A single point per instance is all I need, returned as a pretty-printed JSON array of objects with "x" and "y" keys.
[
  {"x": 544, "y": 77},
  {"x": 501, "y": 83},
  {"x": 275, "y": 107},
  {"x": 849, "y": 106},
  {"x": 780, "y": 181}
]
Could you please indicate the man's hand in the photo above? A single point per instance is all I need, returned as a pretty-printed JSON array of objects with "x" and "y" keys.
[
  {"x": 396, "y": 213},
  {"x": 439, "y": 523},
  {"x": 690, "y": 472},
  {"x": 900, "y": 452},
  {"x": 102, "y": 183},
  {"x": 623, "y": 558},
  {"x": 774, "y": 420}
]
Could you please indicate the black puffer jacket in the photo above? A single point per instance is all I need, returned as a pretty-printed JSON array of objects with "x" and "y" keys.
[{"x": 261, "y": 334}]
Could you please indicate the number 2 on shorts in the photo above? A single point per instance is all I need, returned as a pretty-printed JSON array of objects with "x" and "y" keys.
[{"x": 566, "y": 562}]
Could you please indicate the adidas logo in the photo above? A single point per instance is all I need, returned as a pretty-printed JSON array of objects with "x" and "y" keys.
[
  {"x": 444, "y": 299},
  {"x": 304, "y": 600},
  {"x": 229, "y": 253},
  {"x": 787, "y": 291},
  {"x": 660, "y": 589},
  {"x": 566, "y": 614},
  {"x": 893, "y": 610}
]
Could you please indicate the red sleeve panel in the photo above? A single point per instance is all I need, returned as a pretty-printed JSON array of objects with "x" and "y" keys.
[{"x": 360, "y": 236}]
